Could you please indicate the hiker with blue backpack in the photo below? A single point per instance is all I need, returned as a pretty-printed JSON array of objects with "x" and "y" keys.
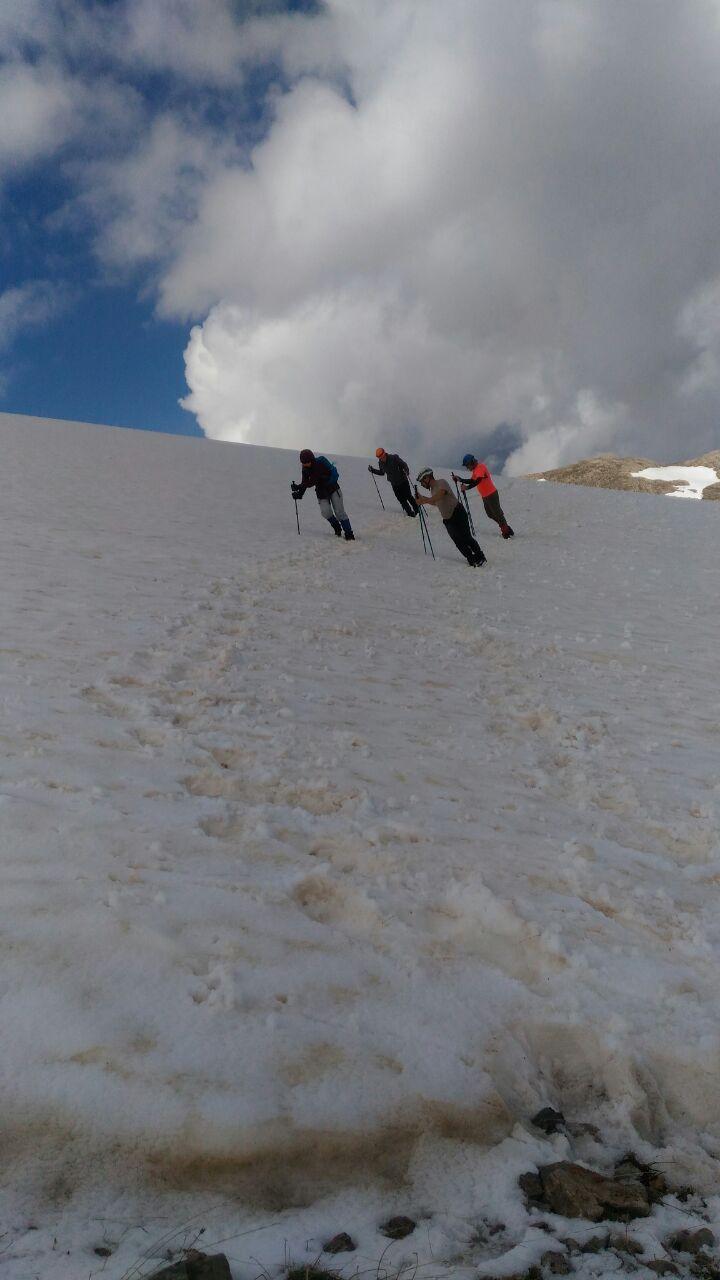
[{"x": 322, "y": 475}]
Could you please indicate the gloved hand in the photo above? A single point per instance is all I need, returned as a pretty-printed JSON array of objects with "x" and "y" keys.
[
  {"x": 370, "y": 467},
  {"x": 297, "y": 491}
]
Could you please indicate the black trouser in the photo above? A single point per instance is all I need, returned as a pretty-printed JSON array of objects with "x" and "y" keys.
[
  {"x": 401, "y": 489},
  {"x": 493, "y": 509},
  {"x": 458, "y": 526}
]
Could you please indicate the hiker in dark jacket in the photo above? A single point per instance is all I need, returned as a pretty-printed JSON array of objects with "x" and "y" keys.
[
  {"x": 319, "y": 474},
  {"x": 396, "y": 471}
]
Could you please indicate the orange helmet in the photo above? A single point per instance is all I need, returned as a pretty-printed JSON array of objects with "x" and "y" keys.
[{"x": 380, "y": 453}]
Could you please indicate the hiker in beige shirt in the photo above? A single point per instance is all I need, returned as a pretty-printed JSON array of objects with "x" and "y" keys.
[{"x": 454, "y": 515}]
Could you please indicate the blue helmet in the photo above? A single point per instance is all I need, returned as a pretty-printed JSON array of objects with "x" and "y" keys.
[{"x": 469, "y": 460}]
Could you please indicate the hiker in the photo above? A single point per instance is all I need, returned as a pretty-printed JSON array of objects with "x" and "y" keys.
[
  {"x": 391, "y": 466},
  {"x": 482, "y": 480},
  {"x": 454, "y": 516},
  {"x": 322, "y": 475}
]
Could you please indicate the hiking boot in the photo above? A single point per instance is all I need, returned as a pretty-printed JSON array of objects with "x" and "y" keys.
[{"x": 335, "y": 526}]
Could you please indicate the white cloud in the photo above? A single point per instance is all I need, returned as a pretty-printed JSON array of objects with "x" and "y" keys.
[
  {"x": 23, "y": 308},
  {"x": 37, "y": 110},
  {"x": 499, "y": 223},
  {"x": 195, "y": 40},
  {"x": 460, "y": 214},
  {"x": 141, "y": 201},
  {"x": 591, "y": 427},
  {"x": 699, "y": 323}
]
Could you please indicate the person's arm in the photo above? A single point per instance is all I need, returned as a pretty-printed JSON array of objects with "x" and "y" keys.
[
  {"x": 374, "y": 471},
  {"x": 434, "y": 498},
  {"x": 473, "y": 484}
]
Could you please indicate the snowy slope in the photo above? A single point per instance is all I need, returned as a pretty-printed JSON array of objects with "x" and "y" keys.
[{"x": 324, "y": 866}]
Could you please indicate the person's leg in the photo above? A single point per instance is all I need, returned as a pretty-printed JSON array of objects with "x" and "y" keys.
[
  {"x": 404, "y": 496},
  {"x": 338, "y": 506},
  {"x": 493, "y": 510},
  {"x": 496, "y": 513},
  {"x": 459, "y": 530},
  {"x": 327, "y": 512},
  {"x": 458, "y": 526}
]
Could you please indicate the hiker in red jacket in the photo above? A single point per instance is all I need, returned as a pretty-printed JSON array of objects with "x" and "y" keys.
[
  {"x": 482, "y": 480},
  {"x": 322, "y": 476}
]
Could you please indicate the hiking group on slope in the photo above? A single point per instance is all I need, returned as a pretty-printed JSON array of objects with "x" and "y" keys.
[{"x": 322, "y": 475}]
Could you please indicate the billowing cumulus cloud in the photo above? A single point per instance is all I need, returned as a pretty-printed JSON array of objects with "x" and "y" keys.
[
  {"x": 436, "y": 223},
  {"x": 489, "y": 212}
]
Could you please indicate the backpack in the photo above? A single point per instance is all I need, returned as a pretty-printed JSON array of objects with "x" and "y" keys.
[{"x": 334, "y": 474}]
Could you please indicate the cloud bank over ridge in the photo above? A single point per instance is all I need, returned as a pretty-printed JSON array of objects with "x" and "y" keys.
[
  {"x": 495, "y": 212},
  {"x": 408, "y": 221}
]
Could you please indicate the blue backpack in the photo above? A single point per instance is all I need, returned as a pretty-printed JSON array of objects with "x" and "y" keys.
[{"x": 334, "y": 474}]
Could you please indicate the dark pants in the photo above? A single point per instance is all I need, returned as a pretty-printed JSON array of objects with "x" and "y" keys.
[
  {"x": 403, "y": 493},
  {"x": 493, "y": 509},
  {"x": 458, "y": 526}
]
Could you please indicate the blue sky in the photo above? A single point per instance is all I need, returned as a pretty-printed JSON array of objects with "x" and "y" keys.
[
  {"x": 439, "y": 225},
  {"x": 104, "y": 354}
]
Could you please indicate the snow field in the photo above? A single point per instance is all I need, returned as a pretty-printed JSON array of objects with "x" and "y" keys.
[
  {"x": 692, "y": 481},
  {"x": 325, "y": 866}
]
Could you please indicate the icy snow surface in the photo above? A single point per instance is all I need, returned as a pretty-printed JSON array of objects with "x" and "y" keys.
[
  {"x": 691, "y": 480},
  {"x": 324, "y": 865}
]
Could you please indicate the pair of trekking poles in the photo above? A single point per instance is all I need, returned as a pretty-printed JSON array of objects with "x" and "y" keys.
[
  {"x": 462, "y": 497},
  {"x": 421, "y": 514}
]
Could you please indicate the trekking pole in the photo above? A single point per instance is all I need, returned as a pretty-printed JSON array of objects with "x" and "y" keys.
[
  {"x": 462, "y": 497},
  {"x": 467, "y": 508},
  {"x": 422, "y": 525},
  {"x": 382, "y": 504},
  {"x": 427, "y": 533},
  {"x": 424, "y": 528},
  {"x": 297, "y": 513}
]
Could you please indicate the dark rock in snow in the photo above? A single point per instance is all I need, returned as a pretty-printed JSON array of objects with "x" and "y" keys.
[
  {"x": 662, "y": 1267},
  {"x": 103, "y": 1251},
  {"x": 558, "y": 1264},
  {"x": 595, "y": 1244},
  {"x": 531, "y": 1185},
  {"x": 704, "y": 1267},
  {"x": 198, "y": 1266},
  {"x": 342, "y": 1243},
  {"x": 630, "y": 1169},
  {"x": 578, "y": 1129},
  {"x": 626, "y": 1244},
  {"x": 398, "y": 1228},
  {"x": 573, "y": 1191},
  {"x": 549, "y": 1121},
  {"x": 692, "y": 1241}
]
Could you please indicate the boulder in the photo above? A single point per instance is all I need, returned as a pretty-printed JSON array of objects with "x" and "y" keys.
[
  {"x": 342, "y": 1243},
  {"x": 398, "y": 1228},
  {"x": 576, "y": 1192},
  {"x": 549, "y": 1121},
  {"x": 558, "y": 1264},
  {"x": 692, "y": 1241}
]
